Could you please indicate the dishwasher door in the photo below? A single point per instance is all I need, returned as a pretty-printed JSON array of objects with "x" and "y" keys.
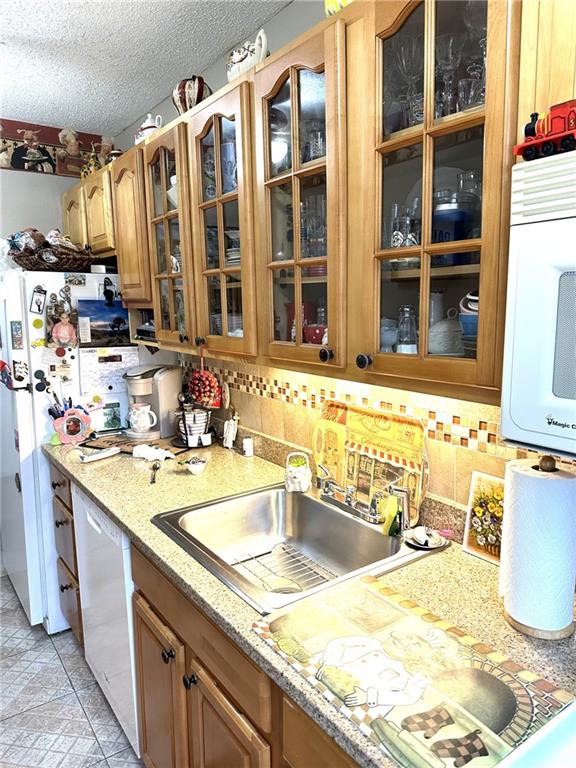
[{"x": 106, "y": 587}]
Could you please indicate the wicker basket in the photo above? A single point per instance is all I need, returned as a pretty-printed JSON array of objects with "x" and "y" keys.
[{"x": 66, "y": 260}]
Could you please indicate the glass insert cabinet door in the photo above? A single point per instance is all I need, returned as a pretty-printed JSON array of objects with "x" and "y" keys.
[
  {"x": 299, "y": 159},
  {"x": 166, "y": 181},
  {"x": 223, "y": 252},
  {"x": 436, "y": 254}
]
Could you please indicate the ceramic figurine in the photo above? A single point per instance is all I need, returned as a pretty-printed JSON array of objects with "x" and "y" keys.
[
  {"x": 148, "y": 127},
  {"x": 246, "y": 56},
  {"x": 298, "y": 473},
  {"x": 92, "y": 165},
  {"x": 189, "y": 92}
]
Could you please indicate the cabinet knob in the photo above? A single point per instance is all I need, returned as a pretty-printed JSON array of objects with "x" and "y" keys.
[
  {"x": 56, "y": 484},
  {"x": 189, "y": 681},
  {"x": 167, "y": 655},
  {"x": 200, "y": 341},
  {"x": 325, "y": 354},
  {"x": 363, "y": 361},
  {"x": 58, "y": 523},
  {"x": 183, "y": 338},
  {"x": 64, "y": 587}
]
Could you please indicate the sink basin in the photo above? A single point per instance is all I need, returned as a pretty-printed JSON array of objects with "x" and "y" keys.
[{"x": 273, "y": 548}]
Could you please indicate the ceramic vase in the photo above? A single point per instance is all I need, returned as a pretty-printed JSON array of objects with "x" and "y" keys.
[{"x": 189, "y": 92}]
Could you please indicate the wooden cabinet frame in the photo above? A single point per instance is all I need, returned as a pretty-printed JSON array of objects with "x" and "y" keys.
[
  {"x": 98, "y": 205},
  {"x": 172, "y": 139},
  {"x": 74, "y": 215},
  {"x": 322, "y": 51},
  {"x": 234, "y": 104},
  {"x": 472, "y": 378},
  {"x": 130, "y": 228}
]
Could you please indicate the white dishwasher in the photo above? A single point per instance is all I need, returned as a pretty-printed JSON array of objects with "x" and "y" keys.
[{"x": 106, "y": 587}]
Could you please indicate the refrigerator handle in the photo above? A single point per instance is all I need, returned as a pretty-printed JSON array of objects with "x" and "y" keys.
[
  {"x": 93, "y": 523},
  {"x": 17, "y": 482}
]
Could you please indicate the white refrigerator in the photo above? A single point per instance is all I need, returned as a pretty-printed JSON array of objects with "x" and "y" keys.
[{"x": 26, "y": 525}]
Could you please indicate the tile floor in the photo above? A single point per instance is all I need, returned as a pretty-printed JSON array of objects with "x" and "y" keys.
[{"x": 52, "y": 711}]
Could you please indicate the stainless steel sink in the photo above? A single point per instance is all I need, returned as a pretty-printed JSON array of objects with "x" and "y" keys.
[{"x": 273, "y": 548}]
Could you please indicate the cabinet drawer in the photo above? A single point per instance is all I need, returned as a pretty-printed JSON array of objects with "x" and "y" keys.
[
  {"x": 61, "y": 486},
  {"x": 64, "y": 534},
  {"x": 70, "y": 599},
  {"x": 304, "y": 744},
  {"x": 248, "y": 686}
]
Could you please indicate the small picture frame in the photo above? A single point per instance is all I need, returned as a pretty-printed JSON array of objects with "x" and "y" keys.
[{"x": 483, "y": 532}]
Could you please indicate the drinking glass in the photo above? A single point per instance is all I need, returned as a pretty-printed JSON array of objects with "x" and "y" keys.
[
  {"x": 476, "y": 22},
  {"x": 409, "y": 50},
  {"x": 470, "y": 93},
  {"x": 448, "y": 56}
]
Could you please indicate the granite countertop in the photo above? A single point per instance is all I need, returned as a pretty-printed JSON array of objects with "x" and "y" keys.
[{"x": 456, "y": 586}]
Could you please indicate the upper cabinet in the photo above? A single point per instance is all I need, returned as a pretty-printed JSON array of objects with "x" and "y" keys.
[
  {"x": 221, "y": 170},
  {"x": 300, "y": 178},
  {"x": 428, "y": 299},
  {"x": 169, "y": 235},
  {"x": 98, "y": 204},
  {"x": 74, "y": 216},
  {"x": 130, "y": 227}
]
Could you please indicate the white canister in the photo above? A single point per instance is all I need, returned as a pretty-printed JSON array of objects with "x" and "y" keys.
[{"x": 248, "y": 446}]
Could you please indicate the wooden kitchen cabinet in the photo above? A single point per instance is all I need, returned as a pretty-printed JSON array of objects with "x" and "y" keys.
[
  {"x": 220, "y": 735},
  {"x": 70, "y": 599},
  {"x": 169, "y": 235},
  {"x": 220, "y": 139},
  {"x": 64, "y": 534},
  {"x": 74, "y": 216},
  {"x": 300, "y": 112},
  {"x": 129, "y": 205},
  {"x": 98, "y": 205},
  {"x": 305, "y": 744},
  {"x": 160, "y": 667},
  {"x": 429, "y": 148}
]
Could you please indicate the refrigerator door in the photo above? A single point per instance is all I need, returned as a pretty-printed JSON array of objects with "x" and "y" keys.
[
  {"x": 19, "y": 523},
  {"x": 106, "y": 588}
]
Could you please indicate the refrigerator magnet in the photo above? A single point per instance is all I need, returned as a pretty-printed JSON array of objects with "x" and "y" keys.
[
  {"x": 38, "y": 300},
  {"x": 16, "y": 334}
]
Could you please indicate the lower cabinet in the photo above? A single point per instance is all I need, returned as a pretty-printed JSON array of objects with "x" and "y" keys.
[{"x": 70, "y": 599}]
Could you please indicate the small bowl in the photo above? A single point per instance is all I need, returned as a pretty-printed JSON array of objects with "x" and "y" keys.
[
  {"x": 469, "y": 324},
  {"x": 194, "y": 465}
]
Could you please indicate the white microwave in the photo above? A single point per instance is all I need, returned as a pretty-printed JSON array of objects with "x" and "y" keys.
[{"x": 539, "y": 376}]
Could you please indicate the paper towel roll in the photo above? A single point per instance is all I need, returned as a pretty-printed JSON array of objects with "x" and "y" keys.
[{"x": 538, "y": 556}]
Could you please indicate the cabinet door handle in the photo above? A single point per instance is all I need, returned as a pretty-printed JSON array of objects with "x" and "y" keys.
[
  {"x": 183, "y": 338},
  {"x": 325, "y": 354},
  {"x": 18, "y": 482},
  {"x": 167, "y": 655},
  {"x": 200, "y": 341},
  {"x": 189, "y": 681},
  {"x": 58, "y": 523},
  {"x": 56, "y": 484},
  {"x": 363, "y": 361},
  {"x": 64, "y": 587}
]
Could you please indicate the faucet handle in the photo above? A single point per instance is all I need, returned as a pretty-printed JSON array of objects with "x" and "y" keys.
[{"x": 350, "y": 494}]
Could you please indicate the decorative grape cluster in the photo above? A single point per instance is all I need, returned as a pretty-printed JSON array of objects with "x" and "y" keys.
[{"x": 203, "y": 387}]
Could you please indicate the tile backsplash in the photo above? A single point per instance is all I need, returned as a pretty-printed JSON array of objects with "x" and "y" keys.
[{"x": 461, "y": 436}]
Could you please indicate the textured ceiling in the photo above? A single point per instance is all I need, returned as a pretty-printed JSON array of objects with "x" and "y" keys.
[{"x": 97, "y": 65}]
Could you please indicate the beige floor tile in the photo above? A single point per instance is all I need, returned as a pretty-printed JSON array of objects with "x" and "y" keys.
[{"x": 109, "y": 733}]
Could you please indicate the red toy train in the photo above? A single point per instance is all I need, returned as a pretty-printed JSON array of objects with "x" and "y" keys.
[{"x": 554, "y": 132}]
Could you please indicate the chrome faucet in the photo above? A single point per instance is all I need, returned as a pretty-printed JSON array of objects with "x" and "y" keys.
[{"x": 403, "y": 496}]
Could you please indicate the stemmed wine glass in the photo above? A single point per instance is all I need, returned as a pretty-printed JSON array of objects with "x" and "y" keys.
[
  {"x": 448, "y": 56},
  {"x": 409, "y": 50},
  {"x": 476, "y": 23}
]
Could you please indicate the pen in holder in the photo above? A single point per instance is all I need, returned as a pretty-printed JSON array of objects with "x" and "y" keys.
[{"x": 298, "y": 473}]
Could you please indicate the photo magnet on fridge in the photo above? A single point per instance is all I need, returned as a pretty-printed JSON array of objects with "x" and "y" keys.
[
  {"x": 103, "y": 323},
  {"x": 38, "y": 300},
  {"x": 16, "y": 334}
]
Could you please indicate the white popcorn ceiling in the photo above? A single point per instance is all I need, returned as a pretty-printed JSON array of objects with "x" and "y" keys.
[{"x": 97, "y": 65}]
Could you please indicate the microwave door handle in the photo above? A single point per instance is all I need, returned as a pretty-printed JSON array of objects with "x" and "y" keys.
[{"x": 93, "y": 523}]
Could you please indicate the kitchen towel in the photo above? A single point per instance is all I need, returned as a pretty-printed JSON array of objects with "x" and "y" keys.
[{"x": 538, "y": 558}]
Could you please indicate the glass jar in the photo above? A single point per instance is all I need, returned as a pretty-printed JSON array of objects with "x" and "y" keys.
[{"x": 407, "y": 336}]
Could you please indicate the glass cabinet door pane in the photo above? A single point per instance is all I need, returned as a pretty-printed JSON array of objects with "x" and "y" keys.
[
  {"x": 457, "y": 197},
  {"x": 178, "y": 301},
  {"x": 283, "y": 293},
  {"x": 208, "y": 165},
  {"x": 228, "y": 155},
  {"x": 311, "y": 115},
  {"x": 211, "y": 238},
  {"x": 454, "y": 304},
  {"x": 314, "y": 306},
  {"x": 157, "y": 195},
  {"x": 171, "y": 180},
  {"x": 403, "y": 76},
  {"x": 234, "y": 306},
  {"x": 214, "y": 305},
  {"x": 399, "y": 301},
  {"x": 402, "y": 197},
  {"x": 231, "y": 233},
  {"x": 313, "y": 229},
  {"x": 175, "y": 254},
  {"x": 279, "y": 125},
  {"x": 160, "y": 248},
  {"x": 460, "y": 53},
  {"x": 164, "y": 305},
  {"x": 282, "y": 222}
]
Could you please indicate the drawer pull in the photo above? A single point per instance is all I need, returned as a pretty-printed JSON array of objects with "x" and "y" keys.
[
  {"x": 64, "y": 587},
  {"x": 167, "y": 655},
  {"x": 56, "y": 484},
  {"x": 189, "y": 681},
  {"x": 58, "y": 523}
]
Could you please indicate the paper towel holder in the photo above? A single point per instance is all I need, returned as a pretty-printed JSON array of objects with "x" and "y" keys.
[{"x": 546, "y": 463}]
